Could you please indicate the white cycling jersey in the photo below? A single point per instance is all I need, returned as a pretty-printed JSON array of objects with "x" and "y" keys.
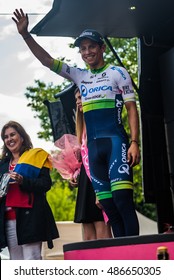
[{"x": 103, "y": 93}]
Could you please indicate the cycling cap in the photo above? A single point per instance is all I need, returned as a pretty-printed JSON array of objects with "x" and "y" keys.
[{"x": 89, "y": 34}]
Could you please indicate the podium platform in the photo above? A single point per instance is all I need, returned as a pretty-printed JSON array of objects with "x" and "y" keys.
[{"x": 124, "y": 248}]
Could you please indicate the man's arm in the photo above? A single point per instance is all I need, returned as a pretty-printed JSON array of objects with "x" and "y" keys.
[
  {"x": 22, "y": 22},
  {"x": 133, "y": 151}
]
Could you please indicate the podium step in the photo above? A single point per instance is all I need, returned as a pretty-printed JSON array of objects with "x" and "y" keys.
[{"x": 124, "y": 248}]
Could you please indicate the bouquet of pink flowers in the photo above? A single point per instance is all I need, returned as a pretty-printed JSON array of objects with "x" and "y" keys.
[{"x": 67, "y": 158}]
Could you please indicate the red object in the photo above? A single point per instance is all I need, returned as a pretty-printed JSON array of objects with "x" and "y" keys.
[
  {"x": 16, "y": 198},
  {"x": 10, "y": 214}
]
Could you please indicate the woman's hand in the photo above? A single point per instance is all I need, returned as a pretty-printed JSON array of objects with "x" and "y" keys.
[
  {"x": 98, "y": 203},
  {"x": 16, "y": 177},
  {"x": 73, "y": 183}
]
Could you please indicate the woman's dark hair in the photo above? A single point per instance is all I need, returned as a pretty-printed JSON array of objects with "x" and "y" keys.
[{"x": 26, "y": 144}]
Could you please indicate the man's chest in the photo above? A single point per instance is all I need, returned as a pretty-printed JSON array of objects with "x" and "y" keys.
[{"x": 98, "y": 86}]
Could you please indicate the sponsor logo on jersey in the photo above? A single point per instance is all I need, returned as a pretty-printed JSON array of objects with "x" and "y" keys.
[
  {"x": 124, "y": 153},
  {"x": 112, "y": 165},
  {"x": 103, "y": 80},
  {"x": 95, "y": 97},
  {"x": 103, "y": 76},
  {"x": 124, "y": 168},
  {"x": 67, "y": 69},
  {"x": 96, "y": 181},
  {"x": 85, "y": 91},
  {"x": 116, "y": 180},
  {"x": 119, "y": 115},
  {"x": 119, "y": 110},
  {"x": 82, "y": 70},
  {"x": 127, "y": 90},
  {"x": 86, "y": 82},
  {"x": 120, "y": 71},
  {"x": 119, "y": 103}
]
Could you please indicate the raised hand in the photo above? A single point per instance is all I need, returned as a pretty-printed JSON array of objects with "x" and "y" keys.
[{"x": 21, "y": 21}]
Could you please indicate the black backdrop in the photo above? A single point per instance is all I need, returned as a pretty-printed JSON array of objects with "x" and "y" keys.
[
  {"x": 62, "y": 112},
  {"x": 155, "y": 159}
]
